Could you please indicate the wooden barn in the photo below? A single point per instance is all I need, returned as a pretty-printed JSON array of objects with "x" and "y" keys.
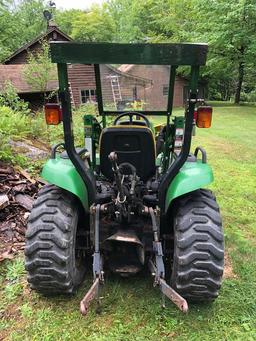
[
  {"x": 121, "y": 85},
  {"x": 81, "y": 76}
]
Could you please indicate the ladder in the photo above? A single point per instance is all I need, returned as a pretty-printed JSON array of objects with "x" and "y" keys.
[
  {"x": 71, "y": 94},
  {"x": 115, "y": 86}
]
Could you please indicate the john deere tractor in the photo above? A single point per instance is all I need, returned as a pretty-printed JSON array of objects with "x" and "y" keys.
[{"x": 133, "y": 196}]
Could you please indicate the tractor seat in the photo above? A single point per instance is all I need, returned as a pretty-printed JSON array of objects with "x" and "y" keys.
[{"x": 133, "y": 144}]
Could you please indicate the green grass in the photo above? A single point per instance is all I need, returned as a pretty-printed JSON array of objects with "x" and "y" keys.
[{"x": 131, "y": 308}]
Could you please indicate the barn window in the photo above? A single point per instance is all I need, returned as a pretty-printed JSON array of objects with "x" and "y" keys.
[
  {"x": 165, "y": 90},
  {"x": 88, "y": 95}
]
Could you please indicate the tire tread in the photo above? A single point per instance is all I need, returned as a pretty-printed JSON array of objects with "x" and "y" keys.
[
  {"x": 198, "y": 247},
  {"x": 48, "y": 255}
]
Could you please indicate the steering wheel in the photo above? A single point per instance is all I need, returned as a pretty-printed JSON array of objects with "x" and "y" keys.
[{"x": 130, "y": 115}]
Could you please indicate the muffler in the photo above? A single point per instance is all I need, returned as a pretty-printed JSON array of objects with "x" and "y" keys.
[{"x": 126, "y": 254}]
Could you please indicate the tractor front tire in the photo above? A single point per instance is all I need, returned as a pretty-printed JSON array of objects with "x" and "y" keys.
[
  {"x": 198, "y": 259},
  {"x": 51, "y": 258}
]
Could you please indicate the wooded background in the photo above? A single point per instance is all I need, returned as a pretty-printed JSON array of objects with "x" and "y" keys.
[{"x": 229, "y": 27}]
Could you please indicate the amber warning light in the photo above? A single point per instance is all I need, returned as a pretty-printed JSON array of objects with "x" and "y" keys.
[
  {"x": 53, "y": 113},
  {"x": 204, "y": 117}
]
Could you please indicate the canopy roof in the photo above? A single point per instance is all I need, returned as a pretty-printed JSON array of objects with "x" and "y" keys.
[{"x": 145, "y": 54}]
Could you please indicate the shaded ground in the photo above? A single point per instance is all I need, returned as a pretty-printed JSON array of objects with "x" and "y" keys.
[
  {"x": 32, "y": 150},
  {"x": 17, "y": 191},
  {"x": 131, "y": 307}
]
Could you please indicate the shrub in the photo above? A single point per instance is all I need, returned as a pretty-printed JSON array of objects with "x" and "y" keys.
[
  {"x": 9, "y": 98},
  {"x": 17, "y": 125},
  {"x": 13, "y": 123},
  {"x": 248, "y": 97}
]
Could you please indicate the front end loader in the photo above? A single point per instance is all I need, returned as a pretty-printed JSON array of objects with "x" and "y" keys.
[{"x": 133, "y": 197}]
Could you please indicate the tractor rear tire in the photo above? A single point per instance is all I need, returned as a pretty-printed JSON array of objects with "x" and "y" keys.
[
  {"x": 198, "y": 259},
  {"x": 51, "y": 259}
]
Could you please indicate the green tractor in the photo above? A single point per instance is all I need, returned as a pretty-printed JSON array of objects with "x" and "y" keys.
[{"x": 134, "y": 195}]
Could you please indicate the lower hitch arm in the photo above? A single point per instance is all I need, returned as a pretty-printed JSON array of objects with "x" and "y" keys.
[
  {"x": 90, "y": 295},
  {"x": 169, "y": 292},
  {"x": 158, "y": 271},
  {"x": 97, "y": 269}
]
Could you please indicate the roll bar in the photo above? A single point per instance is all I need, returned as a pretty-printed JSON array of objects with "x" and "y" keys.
[{"x": 193, "y": 55}]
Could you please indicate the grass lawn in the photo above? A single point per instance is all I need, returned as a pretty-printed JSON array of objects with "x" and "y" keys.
[{"x": 131, "y": 308}]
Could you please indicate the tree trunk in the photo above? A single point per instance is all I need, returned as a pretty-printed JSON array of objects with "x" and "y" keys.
[
  {"x": 240, "y": 76},
  {"x": 239, "y": 82}
]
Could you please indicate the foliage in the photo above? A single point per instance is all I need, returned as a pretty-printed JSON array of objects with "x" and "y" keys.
[
  {"x": 20, "y": 22},
  {"x": 125, "y": 14},
  {"x": 230, "y": 29},
  {"x": 94, "y": 25},
  {"x": 10, "y": 98},
  {"x": 18, "y": 125},
  {"x": 12, "y": 125},
  {"x": 39, "y": 70},
  {"x": 248, "y": 97},
  {"x": 66, "y": 18}
]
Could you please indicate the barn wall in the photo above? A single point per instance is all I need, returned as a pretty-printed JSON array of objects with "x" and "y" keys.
[
  {"x": 22, "y": 57},
  {"x": 160, "y": 76},
  {"x": 127, "y": 85},
  {"x": 178, "y": 99},
  {"x": 106, "y": 84},
  {"x": 81, "y": 77}
]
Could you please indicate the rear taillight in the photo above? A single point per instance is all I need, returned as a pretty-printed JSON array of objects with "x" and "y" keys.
[
  {"x": 204, "y": 117},
  {"x": 53, "y": 113}
]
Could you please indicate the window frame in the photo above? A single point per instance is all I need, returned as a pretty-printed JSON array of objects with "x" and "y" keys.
[
  {"x": 91, "y": 98},
  {"x": 165, "y": 91}
]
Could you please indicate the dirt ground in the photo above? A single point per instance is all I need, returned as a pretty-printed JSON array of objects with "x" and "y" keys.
[{"x": 17, "y": 192}]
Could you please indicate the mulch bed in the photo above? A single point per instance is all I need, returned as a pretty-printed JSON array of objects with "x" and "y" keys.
[{"x": 17, "y": 193}]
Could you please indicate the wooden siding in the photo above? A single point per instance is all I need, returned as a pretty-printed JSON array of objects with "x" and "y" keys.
[
  {"x": 159, "y": 74},
  {"x": 15, "y": 75},
  {"x": 81, "y": 77},
  {"x": 127, "y": 84},
  {"x": 22, "y": 57}
]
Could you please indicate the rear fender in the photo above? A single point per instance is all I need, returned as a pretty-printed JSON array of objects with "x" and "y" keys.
[
  {"x": 192, "y": 176},
  {"x": 62, "y": 173}
]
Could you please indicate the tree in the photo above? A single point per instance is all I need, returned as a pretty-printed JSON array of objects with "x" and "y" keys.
[
  {"x": 152, "y": 20},
  {"x": 65, "y": 19},
  {"x": 124, "y": 14},
  {"x": 20, "y": 22},
  {"x": 230, "y": 29},
  {"x": 40, "y": 70},
  {"x": 94, "y": 25}
]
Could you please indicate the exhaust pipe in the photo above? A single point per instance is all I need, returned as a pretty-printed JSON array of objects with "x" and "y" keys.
[{"x": 126, "y": 253}]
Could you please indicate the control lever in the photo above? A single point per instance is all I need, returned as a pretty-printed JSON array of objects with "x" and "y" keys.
[{"x": 118, "y": 177}]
